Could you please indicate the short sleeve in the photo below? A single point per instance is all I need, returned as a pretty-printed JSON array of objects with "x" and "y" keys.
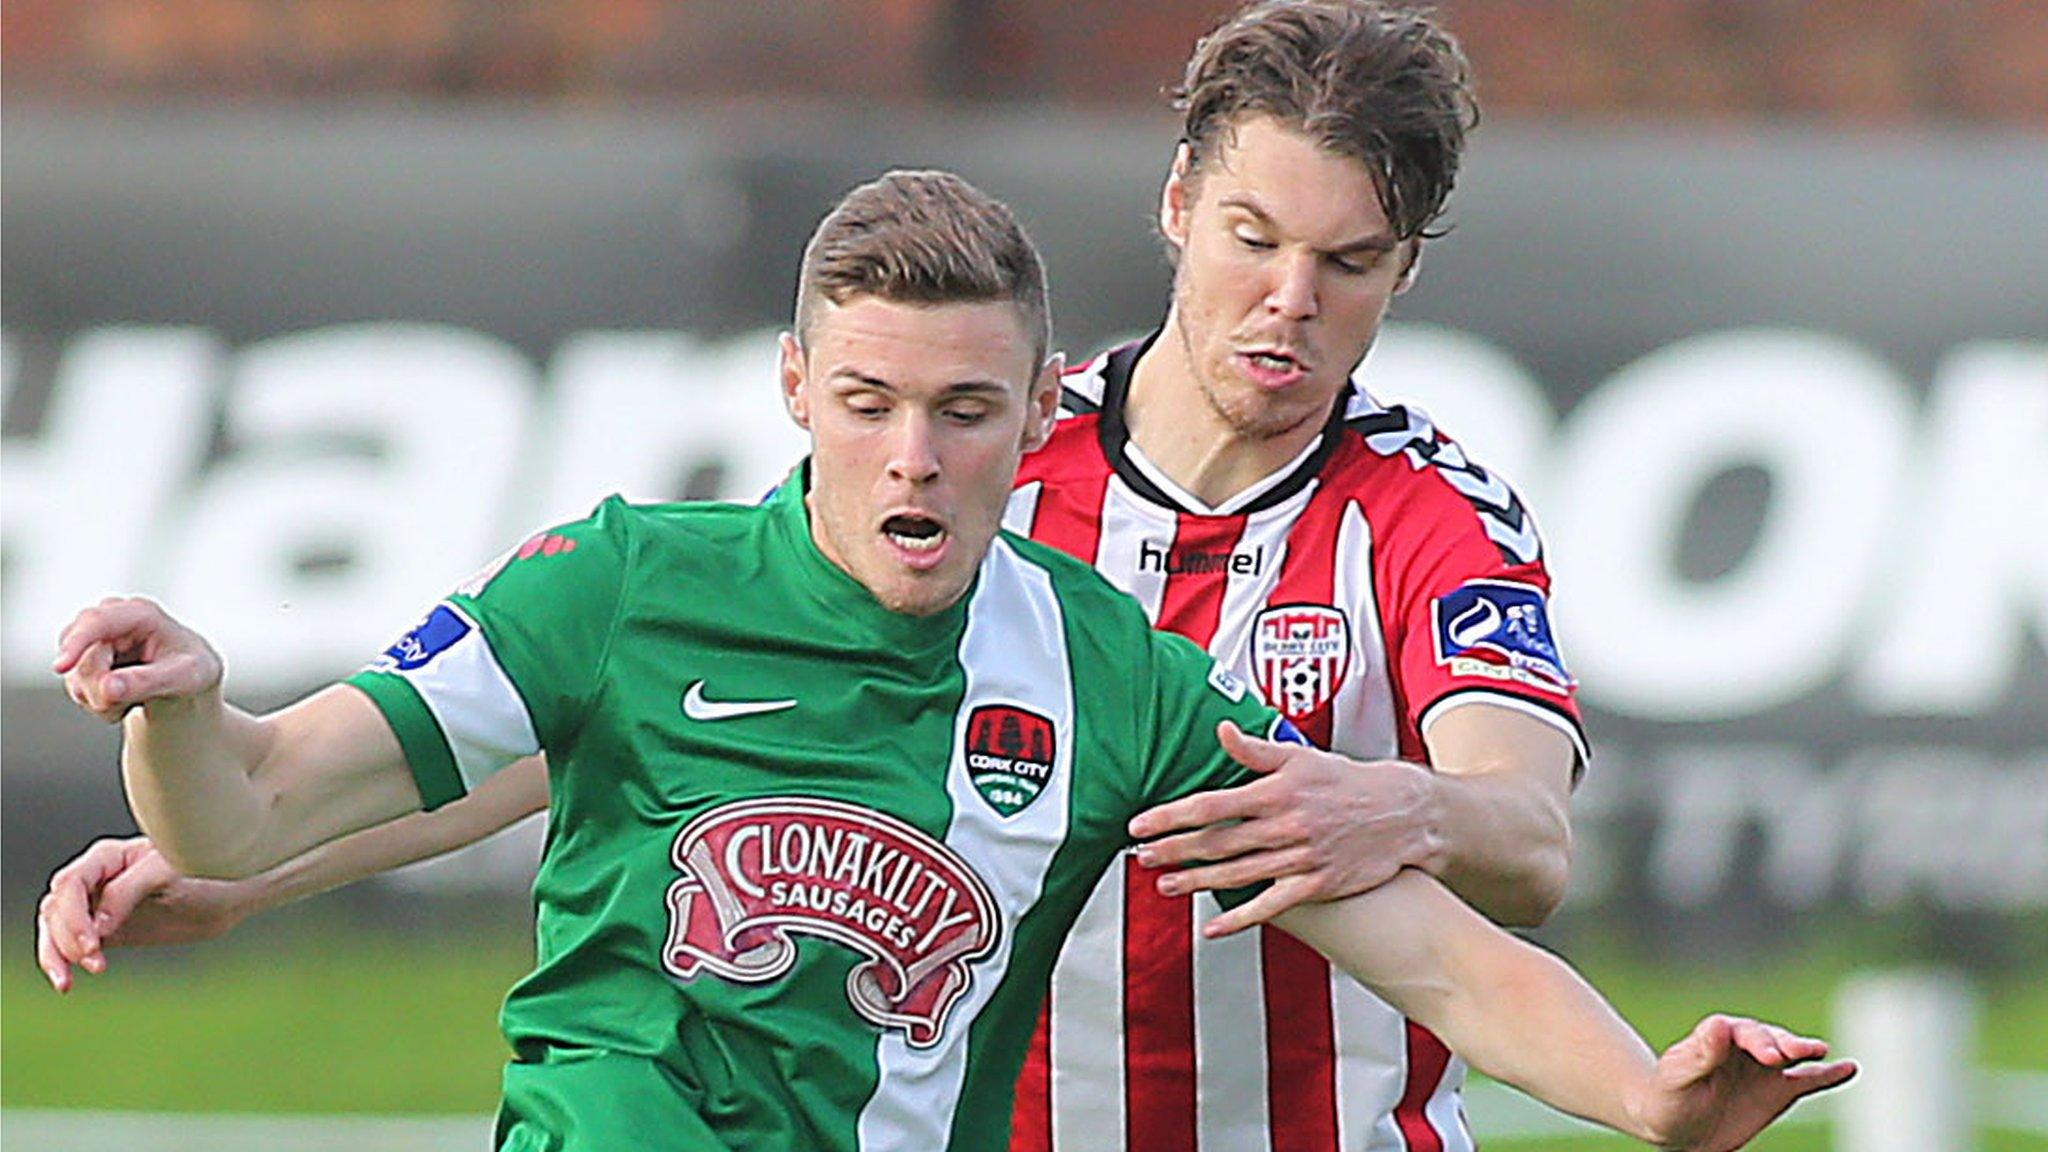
[
  {"x": 510, "y": 662},
  {"x": 1189, "y": 695},
  {"x": 1469, "y": 621}
]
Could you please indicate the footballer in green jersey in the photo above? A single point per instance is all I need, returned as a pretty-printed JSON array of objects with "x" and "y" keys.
[{"x": 809, "y": 860}]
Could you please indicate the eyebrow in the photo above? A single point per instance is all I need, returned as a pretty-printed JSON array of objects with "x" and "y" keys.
[
  {"x": 958, "y": 388},
  {"x": 1377, "y": 242}
]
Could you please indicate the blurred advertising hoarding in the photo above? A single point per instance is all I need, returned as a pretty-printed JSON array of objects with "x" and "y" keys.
[{"x": 1780, "y": 401}]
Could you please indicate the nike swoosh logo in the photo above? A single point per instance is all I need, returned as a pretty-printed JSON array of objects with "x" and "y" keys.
[{"x": 696, "y": 707}]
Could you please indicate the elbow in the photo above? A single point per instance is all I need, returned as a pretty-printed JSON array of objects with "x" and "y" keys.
[{"x": 1540, "y": 888}]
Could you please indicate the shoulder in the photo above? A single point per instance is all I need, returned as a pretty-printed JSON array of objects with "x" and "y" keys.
[
  {"x": 619, "y": 535},
  {"x": 1442, "y": 492}
]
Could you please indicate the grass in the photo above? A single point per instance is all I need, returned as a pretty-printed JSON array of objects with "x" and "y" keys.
[
  {"x": 311, "y": 1015},
  {"x": 321, "y": 1021}
]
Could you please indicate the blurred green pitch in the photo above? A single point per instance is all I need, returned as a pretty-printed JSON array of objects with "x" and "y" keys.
[{"x": 312, "y": 1015}]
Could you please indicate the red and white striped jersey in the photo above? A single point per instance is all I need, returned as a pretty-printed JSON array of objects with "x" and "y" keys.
[{"x": 1375, "y": 582}]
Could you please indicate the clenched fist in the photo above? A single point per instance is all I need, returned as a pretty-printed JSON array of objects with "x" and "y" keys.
[{"x": 128, "y": 651}]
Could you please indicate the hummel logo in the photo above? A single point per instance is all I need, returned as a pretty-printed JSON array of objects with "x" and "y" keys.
[{"x": 696, "y": 707}]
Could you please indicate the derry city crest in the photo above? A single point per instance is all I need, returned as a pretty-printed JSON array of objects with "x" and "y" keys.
[
  {"x": 1300, "y": 653},
  {"x": 756, "y": 873}
]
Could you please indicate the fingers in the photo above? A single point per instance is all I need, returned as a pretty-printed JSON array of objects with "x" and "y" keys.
[
  {"x": 1277, "y": 898},
  {"x": 125, "y": 652},
  {"x": 1257, "y": 754},
  {"x": 1199, "y": 811},
  {"x": 145, "y": 876},
  {"x": 1811, "y": 1078},
  {"x": 180, "y": 674},
  {"x": 67, "y": 932},
  {"x": 113, "y": 619},
  {"x": 1772, "y": 1046},
  {"x": 1237, "y": 872},
  {"x": 1227, "y": 837},
  {"x": 56, "y": 967},
  {"x": 1703, "y": 1050},
  {"x": 1244, "y": 802}
]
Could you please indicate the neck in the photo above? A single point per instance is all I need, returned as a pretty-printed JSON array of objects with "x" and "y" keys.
[{"x": 1180, "y": 431}]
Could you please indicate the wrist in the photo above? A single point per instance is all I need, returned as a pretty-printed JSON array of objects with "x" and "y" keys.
[
  {"x": 1434, "y": 854},
  {"x": 1641, "y": 1119}
]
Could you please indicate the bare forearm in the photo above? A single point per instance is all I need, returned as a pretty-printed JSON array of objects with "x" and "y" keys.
[
  {"x": 1509, "y": 1009},
  {"x": 501, "y": 801},
  {"x": 1504, "y": 843},
  {"x": 226, "y": 794},
  {"x": 1526, "y": 1018},
  {"x": 1499, "y": 813},
  {"x": 186, "y": 765}
]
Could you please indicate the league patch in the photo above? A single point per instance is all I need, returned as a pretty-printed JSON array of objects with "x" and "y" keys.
[
  {"x": 440, "y": 631},
  {"x": 1009, "y": 755},
  {"x": 1507, "y": 620},
  {"x": 1300, "y": 653},
  {"x": 757, "y": 872}
]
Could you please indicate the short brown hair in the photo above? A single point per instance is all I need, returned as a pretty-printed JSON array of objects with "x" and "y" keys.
[
  {"x": 1381, "y": 84},
  {"x": 924, "y": 237}
]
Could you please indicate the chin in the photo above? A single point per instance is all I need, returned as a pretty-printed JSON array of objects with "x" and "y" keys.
[{"x": 921, "y": 597}]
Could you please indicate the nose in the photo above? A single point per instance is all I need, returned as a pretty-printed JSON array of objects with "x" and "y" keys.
[
  {"x": 1292, "y": 293},
  {"x": 913, "y": 457}
]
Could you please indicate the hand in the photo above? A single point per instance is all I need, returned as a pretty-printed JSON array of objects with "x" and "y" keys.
[
  {"x": 1319, "y": 826},
  {"x": 123, "y": 894},
  {"x": 126, "y": 652},
  {"x": 1727, "y": 1081}
]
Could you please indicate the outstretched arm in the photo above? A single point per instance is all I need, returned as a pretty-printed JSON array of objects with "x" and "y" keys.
[
  {"x": 1524, "y": 1017},
  {"x": 123, "y": 893},
  {"x": 1489, "y": 819},
  {"x": 224, "y": 793}
]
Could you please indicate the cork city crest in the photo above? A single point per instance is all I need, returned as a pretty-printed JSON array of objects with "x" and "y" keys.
[
  {"x": 756, "y": 873},
  {"x": 1009, "y": 755},
  {"x": 1300, "y": 653}
]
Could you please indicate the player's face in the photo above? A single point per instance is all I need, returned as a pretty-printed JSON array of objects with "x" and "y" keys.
[
  {"x": 1286, "y": 266},
  {"x": 918, "y": 417}
]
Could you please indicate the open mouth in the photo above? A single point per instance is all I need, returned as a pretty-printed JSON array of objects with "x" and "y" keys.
[
  {"x": 1275, "y": 361},
  {"x": 914, "y": 533}
]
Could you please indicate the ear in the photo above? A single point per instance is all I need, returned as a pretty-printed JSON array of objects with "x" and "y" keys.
[
  {"x": 1409, "y": 270},
  {"x": 795, "y": 397},
  {"x": 1043, "y": 409},
  {"x": 1174, "y": 198}
]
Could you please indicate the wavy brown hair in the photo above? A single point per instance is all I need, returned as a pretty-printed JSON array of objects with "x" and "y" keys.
[{"x": 1379, "y": 83}]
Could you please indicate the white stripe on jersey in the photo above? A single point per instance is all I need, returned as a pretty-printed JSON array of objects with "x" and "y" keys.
[
  {"x": 1363, "y": 723},
  {"x": 1088, "y": 985},
  {"x": 1022, "y": 508},
  {"x": 1013, "y": 651},
  {"x": 1129, "y": 523},
  {"x": 1230, "y": 1065},
  {"x": 1446, "y": 1112},
  {"x": 1245, "y": 594},
  {"x": 482, "y": 716}
]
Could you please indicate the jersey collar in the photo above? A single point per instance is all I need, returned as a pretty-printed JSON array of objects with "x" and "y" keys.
[{"x": 1151, "y": 484}]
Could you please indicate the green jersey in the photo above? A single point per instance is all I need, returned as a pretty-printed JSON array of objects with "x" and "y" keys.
[{"x": 809, "y": 862}]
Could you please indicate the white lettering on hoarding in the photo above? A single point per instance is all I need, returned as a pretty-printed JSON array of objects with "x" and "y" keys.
[
  {"x": 1827, "y": 423},
  {"x": 368, "y": 467},
  {"x": 90, "y": 502},
  {"x": 1966, "y": 575},
  {"x": 365, "y": 474}
]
